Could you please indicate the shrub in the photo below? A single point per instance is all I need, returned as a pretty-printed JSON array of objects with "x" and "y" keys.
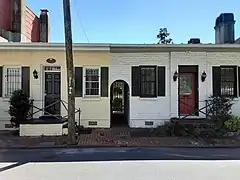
[
  {"x": 170, "y": 128},
  {"x": 221, "y": 107},
  {"x": 19, "y": 107},
  {"x": 233, "y": 124},
  {"x": 221, "y": 110}
]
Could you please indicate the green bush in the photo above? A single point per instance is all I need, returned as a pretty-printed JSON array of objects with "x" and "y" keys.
[
  {"x": 233, "y": 124},
  {"x": 19, "y": 107},
  {"x": 170, "y": 128}
]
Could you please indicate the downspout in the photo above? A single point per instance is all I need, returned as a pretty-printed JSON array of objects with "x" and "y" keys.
[{"x": 170, "y": 84}]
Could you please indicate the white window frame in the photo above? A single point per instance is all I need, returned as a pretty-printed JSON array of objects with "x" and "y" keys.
[
  {"x": 84, "y": 81},
  {"x": 4, "y": 79}
]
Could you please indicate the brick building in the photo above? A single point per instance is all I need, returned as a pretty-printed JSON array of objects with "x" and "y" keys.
[{"x": 19, "y": 24}]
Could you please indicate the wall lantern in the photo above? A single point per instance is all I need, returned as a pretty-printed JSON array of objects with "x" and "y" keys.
[
  {"x": 175, "y": 76},
  {"x": 35, "y": 74},
  {"x": 203, "y": 76}
]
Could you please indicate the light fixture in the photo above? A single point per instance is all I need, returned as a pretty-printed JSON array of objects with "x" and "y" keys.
[
  {"x": 35, "y": 74},
  {"x": 175, "y": 76},
  {"x": 203, "y": 76}
]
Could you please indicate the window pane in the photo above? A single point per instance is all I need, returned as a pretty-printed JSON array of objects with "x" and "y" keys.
[
  {"x": 12, "y": 81},
  {"x": 92, "y": 82},
  {"x": 227, "y": 88},
  {"x": 148, "y": 81},
  {"x": 227, "y": 81}
]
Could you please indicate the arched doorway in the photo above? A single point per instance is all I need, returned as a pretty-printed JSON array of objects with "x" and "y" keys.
[{"x": 119, "y": 103}]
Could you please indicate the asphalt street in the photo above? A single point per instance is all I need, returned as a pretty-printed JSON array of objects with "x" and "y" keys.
[
  {"x": 120, "y": 163},
  {"x": 112, "y": 154}
]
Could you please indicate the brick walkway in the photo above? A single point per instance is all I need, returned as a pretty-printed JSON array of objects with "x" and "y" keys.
[{"x": 114, "y": 137}]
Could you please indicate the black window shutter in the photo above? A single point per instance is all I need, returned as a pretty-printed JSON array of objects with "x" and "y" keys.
[
  {"x": 78, "y": 81},
  {"x": 26, "y": 80},
  {"x": 1, "y": 80},
  {"x": 135, "y": 81},
  {"x": 235, "y": 81},
  {"x": 239, "y": 81},
  {"x": 216, "y": 79},
  {"x": 104, "y": 81},
  {"x": 161, "y": 81}
]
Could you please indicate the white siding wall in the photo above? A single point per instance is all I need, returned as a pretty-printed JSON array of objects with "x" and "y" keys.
[
  {"x": 94, "y": 110},
  {"x": 227, "y": 59},
  {"x": 189, "y": 58},
  {"x": 142, "y": 109},
  {"x": 163, "y": 108}
]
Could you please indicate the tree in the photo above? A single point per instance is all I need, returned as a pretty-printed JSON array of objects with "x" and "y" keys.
[{"x": 163, "y": 36}]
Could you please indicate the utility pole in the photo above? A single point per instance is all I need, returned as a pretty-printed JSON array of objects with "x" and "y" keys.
[{"x": 70, "y": 72}]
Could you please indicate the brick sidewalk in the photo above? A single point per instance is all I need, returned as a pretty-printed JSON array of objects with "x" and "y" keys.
[{"x": 114, "y": 138}]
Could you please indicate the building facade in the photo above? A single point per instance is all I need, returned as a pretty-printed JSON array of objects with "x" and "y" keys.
[{"x": 129, "y": 85}]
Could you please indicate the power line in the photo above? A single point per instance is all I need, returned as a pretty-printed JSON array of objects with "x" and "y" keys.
[{"x": 80, "y": 20}]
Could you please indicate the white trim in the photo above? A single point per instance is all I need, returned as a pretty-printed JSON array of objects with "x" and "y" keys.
[
  {"x": 53, "y": 46},
  {"x": 84, "y": 80},
  {"x": 108, "y": 46},
  {"x": 55, "y": 70},
  {"x": 4, "y": 81},
  {"x": 43, "y": 71}
]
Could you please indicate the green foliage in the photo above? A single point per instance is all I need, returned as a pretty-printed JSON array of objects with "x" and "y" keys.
[
  {"x": 162, "y": 36},
  {"x": 170, "y": 128},
  {"x": 117, "y": 90},
  {"x": 19, "y": 107},
  {"x": 221, "y": 111},
  {"x": 233, "y": 124},
  {"x": 117, "y": 104}
]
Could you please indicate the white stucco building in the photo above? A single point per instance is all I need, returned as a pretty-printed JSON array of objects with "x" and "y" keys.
[{"x": 150, "y": 83}]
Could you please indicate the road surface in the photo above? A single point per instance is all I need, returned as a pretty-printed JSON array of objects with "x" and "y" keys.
[{"x": 120, "y": 163}]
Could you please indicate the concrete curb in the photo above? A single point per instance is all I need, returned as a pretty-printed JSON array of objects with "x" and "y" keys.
[{"x": 112, "y": 146}]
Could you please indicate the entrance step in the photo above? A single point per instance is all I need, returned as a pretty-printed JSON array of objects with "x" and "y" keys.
[
  {"x": 53, "y": 119},
  {"x": 193, "y": 121},
  {"x": 45, "y": 117}
]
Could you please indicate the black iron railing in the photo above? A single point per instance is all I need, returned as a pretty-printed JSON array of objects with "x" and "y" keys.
[
  {"x": 209, "y": 110},
  {"x": 62, "y": 102},
  {"x": 202, "y": 110}
]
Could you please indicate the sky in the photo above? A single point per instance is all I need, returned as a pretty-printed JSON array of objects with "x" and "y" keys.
[{"x": 137, "y": 21}]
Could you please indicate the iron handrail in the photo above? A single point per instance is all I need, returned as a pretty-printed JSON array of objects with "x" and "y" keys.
[
  {"x": 199, "y": 110},
  {"x": 208, "y": 103},
  {"x": 50, "y": 105}
]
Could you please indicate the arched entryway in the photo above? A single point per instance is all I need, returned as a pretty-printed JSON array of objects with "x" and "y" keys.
[{"x": 119, "y": 103}]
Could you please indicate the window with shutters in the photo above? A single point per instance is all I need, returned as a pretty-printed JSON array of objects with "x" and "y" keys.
[
  {"x": 148, "y": 82},
  {"x": 228, "y": 81},
  {"x": 11, "y": 80},
  {"x": 92, "y": 82}
]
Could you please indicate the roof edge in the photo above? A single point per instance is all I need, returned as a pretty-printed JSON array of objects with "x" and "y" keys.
[
  {"x": 119, "y": 47},
  {"x": 53, "y": 46}
]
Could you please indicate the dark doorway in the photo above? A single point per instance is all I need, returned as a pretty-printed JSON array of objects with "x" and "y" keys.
[
  {"x": 119, "y": 103},
  {"x": 52, "y": 93},
  {"x": 188, "y": 90}
]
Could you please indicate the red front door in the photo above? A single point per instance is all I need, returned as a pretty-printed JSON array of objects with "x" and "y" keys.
[{"x": 187, "y": 93}]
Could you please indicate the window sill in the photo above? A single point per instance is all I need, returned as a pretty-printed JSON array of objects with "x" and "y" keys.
[
  {"x": 148, "y": 98},
  {"x": 86, "y": 97}
]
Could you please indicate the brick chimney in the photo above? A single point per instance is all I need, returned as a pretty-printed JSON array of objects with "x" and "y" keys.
[{"x": 44, "y": 26}]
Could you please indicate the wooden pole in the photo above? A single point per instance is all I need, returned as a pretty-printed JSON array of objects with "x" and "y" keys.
[{"x": 70, "y": 72}]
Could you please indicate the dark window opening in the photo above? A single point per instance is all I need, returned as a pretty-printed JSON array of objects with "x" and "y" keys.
[
  {"x": 228, "y": 81},
  {"x": 148, "y": 82}
]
